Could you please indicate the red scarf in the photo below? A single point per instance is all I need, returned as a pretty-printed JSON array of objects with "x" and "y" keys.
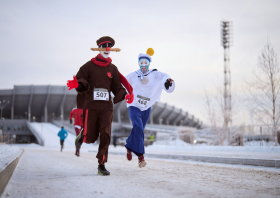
[
  {"x": 104, "y": 62},
  {"x": 101, "y": 61}
]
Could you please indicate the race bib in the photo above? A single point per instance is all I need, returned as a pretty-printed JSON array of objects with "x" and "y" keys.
[
  {"x": 100, "y": 94},
  {"x": 142, "y": 101}
]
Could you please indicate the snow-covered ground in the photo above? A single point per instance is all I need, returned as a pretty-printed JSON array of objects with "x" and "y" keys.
[
  {"x": 49, "y": 173},
  {"x": 8, "y": 154}
]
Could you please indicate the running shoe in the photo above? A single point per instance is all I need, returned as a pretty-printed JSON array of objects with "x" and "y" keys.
[
  {"x": 77, "y": 152},
  {"x": 128, "y": 155},
  {"x": 141, "y": 161},
  {"x": 102, "y": 170}
]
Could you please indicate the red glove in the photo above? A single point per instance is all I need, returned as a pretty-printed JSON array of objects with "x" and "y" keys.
[
  {"x": 73, "y": 84},
  {"x": 129, "y": 98}
]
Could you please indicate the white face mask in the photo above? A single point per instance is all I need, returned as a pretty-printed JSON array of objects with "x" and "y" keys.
[
  {"x": 105, "y": 54},
  {"x": 144, "y": 65}
]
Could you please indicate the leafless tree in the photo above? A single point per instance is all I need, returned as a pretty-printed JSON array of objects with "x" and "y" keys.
[
  {"x": 212, "y": 113},
  {"x": 263, "y": 89},
  {"x": 216, "y": 114}
]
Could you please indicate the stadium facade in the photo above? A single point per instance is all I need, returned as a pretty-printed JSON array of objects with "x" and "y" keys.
[{"x": 34, "y": 103}]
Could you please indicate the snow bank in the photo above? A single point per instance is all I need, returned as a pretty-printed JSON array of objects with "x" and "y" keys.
[{"x": 8, "y": 154}]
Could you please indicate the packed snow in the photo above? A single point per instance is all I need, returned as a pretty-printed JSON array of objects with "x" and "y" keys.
[
  {"x": 49, "y": 173},
  {"x": 7, "y": 154}
]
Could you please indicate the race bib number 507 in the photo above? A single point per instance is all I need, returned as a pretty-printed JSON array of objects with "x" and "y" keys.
[{"x": 101, "y": 94}]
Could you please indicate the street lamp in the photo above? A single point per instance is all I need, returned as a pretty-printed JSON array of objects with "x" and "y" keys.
[
  {"x": 3, "y": 104},
  {"x": 181, "y": 122},
  {"x": 160, "y": 121}
]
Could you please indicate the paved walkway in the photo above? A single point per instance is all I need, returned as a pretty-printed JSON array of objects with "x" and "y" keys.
[{"x": 50, "y": 173}]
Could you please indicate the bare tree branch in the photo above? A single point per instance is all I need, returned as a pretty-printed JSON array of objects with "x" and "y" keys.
[{"x": 263, "y": 89}]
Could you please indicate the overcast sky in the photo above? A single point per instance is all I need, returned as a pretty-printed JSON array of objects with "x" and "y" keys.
[{"x": 45, "y": 42}]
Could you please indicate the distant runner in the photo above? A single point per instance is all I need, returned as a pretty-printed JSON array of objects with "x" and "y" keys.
[
  {"x": 63, "y": 135},
  {"x": 147, "y": 86},
  {"x": 78, "y": 124}
]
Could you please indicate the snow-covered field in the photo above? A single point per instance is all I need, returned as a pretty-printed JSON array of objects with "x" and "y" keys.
[{"x": 50, "y": 173}]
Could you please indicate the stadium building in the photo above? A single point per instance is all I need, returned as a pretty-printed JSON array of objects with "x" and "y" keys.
[{"x": 23, "y": 105}]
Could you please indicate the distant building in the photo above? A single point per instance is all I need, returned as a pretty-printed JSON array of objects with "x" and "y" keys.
[{"x": 54, "y": 103}]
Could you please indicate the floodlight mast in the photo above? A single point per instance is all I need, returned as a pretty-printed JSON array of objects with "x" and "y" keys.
[{"x": 226, "y": 41}]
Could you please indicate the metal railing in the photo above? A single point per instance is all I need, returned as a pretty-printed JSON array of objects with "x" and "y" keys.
[
  {"x": 7, "y": 138},
  {"x": 251, "y": 135}
]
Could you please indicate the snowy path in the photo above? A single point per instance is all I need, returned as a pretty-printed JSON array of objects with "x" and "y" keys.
[{"x": 50, "y": 173}]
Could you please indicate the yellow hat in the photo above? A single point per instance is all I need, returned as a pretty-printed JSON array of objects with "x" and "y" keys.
[{"x": 150, "y": 51}]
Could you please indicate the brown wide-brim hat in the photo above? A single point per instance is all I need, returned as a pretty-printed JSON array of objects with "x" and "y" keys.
[{"x": 105, "y": 39}]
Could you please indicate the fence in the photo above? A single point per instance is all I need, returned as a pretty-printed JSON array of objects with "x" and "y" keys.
[
  {"x": 252, "y": 135},
  {"x": 7, "y": 138},
  {"x": 259, "y": 135}
]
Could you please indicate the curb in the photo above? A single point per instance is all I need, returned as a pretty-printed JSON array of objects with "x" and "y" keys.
[
  {"x": 7, "y": 172},
  {"x": 223, "y": 160}
]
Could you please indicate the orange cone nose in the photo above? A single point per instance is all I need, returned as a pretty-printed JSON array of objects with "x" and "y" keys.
[{"x": 108, "y": 48}]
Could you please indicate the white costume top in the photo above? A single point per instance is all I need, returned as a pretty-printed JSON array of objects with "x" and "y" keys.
[{"x": 145, "y": 95}]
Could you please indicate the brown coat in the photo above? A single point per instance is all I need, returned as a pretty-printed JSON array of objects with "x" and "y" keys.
[{"x": 94, "y": 76}]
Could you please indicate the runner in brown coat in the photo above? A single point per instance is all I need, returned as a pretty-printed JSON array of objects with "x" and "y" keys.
[{"x": 94, "y": 82}]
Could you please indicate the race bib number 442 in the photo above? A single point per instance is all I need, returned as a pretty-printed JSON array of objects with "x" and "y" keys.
[
  {"x": 142, "y": 101},
  {"x": 100, "y": 94}
]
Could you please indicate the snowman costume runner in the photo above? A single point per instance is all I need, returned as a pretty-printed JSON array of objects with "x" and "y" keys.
[
  {"x": 147, "y": 86},
  {"x": 93, "y": 82}
]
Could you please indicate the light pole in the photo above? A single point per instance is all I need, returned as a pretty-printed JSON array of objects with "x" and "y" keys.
[
  {"x": 3, "y": 104},
  {"x": 181, "y": 122},
  {"x": 42, "y": 130},
  {"x": 226, "y": 42}
]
